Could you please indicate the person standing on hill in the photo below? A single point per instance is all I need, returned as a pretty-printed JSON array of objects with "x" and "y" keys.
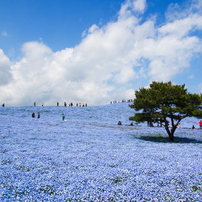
[
  {"x": 63, "y": 116},
  {"x": 200, "y": 124},
  {"x": 33, "y": 115}
]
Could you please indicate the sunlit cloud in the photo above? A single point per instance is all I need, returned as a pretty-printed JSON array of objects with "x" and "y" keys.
[{"x": 139, "y": 5}]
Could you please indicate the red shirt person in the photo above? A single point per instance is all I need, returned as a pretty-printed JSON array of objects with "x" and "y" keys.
[{"x": 200, "y": 124}]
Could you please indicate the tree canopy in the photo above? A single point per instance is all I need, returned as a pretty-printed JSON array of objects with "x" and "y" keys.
[{"x": 164, "y": 102}]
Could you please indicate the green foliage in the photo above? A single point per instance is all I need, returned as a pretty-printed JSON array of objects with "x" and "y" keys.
[{"x": 164, "y": 101}]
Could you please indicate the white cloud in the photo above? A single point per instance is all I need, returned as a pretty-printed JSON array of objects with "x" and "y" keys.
[
  {"x": 93, "y": 28},
  {"x": 130, "y": 6},
  {"x": 180, "y": 28},
  {"x": 125, "y": 75},
  {"x": 11, "y": 52},
  {"x": 107, "y": 62},
  {"x": 191, "y": 76},
  {"x": 139, "y": 5},
  {"x": 4, "y": 33},
  {"x": 5, "y": 75}
]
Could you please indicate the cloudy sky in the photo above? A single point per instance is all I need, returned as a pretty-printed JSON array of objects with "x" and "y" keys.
[{"x": 96, "y": 51}]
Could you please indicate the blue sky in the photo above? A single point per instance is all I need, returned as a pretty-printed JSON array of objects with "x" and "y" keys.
[
  {"x": 58, "y": 23},
  {"x": 96, "y": 51}
]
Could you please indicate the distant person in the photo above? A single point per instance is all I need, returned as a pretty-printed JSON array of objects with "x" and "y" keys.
[
  {"x": 200, "y": 124},
  {"x": 131, "y": 124},
  {"x": 3, "y": 105},
  {"x": 38, "y": 115},
  {"x": 63, "y": 117},
  {"x": 166, "y": 125},
  {"x": 193, "y": 127},
  {"x": 179, "y": 125},
  {"x": 33, "y": 115},
  {"x": 119, "y": 123}
]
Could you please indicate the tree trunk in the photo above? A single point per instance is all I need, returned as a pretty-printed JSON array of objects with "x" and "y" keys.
[
  {"x": 170, "y": 133},
  {"x": 171, "y": 137}
]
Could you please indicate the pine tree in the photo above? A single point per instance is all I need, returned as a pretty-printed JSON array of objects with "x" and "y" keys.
[{"x": 164, "y": 102}]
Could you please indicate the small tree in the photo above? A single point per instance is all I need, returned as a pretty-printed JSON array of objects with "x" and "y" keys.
[{"x": 164, "y": 101}]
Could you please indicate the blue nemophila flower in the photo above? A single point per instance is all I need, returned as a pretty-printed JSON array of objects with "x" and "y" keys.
[{"x": 92, "y": 159}]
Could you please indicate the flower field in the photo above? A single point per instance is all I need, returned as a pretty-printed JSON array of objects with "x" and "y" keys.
[{"x": 89, "y": 157}]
